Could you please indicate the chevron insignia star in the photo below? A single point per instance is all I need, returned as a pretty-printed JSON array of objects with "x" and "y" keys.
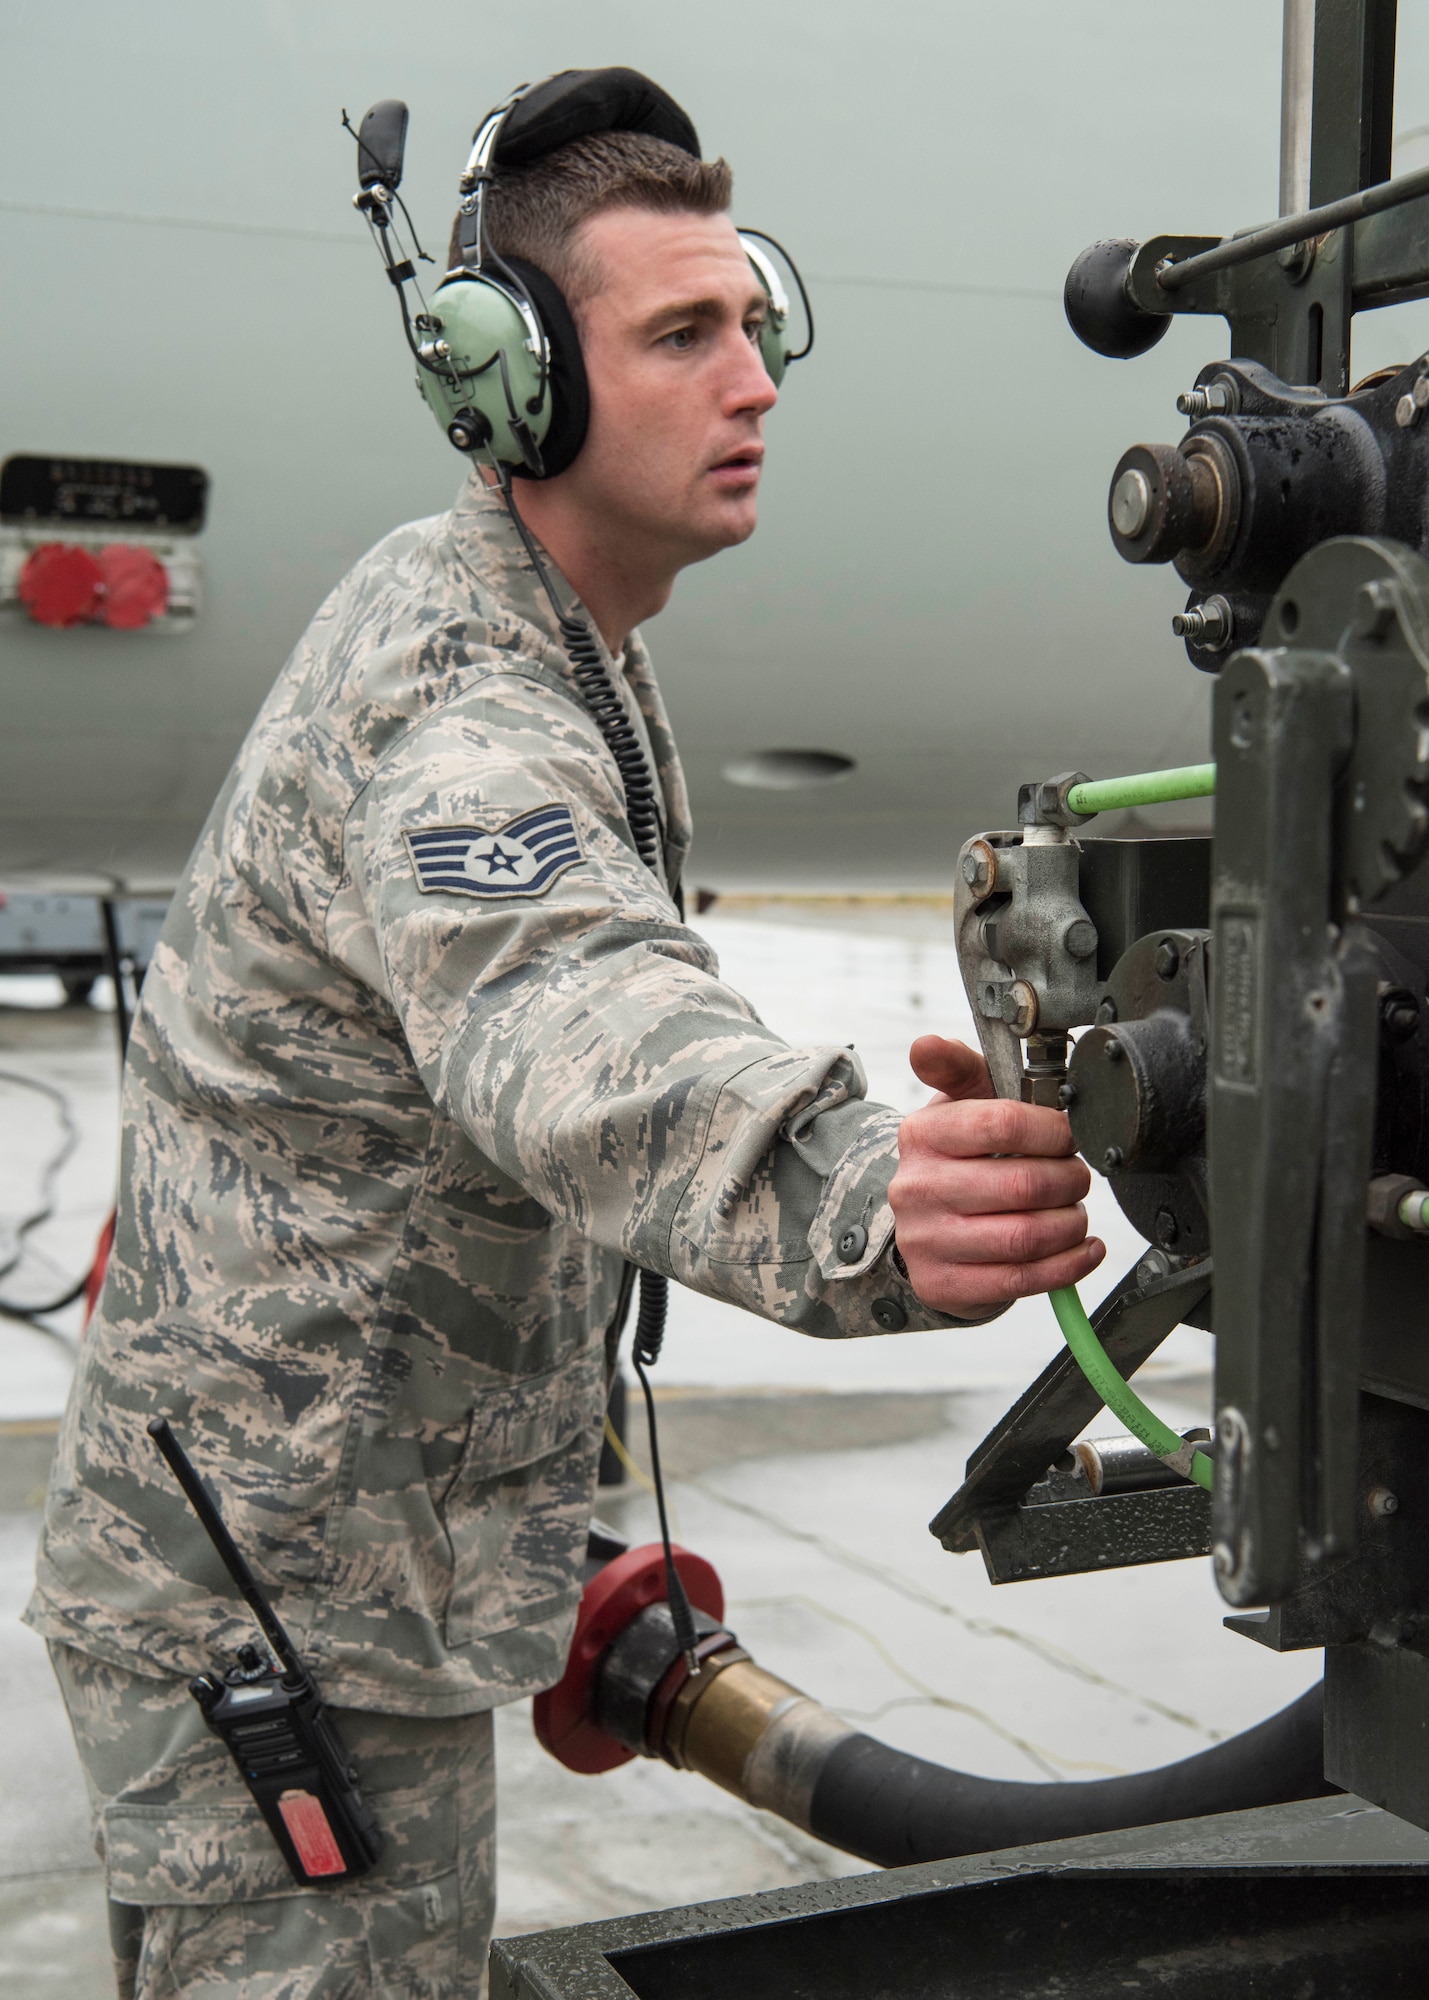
[{"x": 523, "y": 857}]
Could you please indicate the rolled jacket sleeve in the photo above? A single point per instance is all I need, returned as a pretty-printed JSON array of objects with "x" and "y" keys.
[{"x": 583, "y": 1039}]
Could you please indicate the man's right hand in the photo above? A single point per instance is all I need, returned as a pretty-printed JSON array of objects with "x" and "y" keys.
[{"x": 987, "y": 1197}]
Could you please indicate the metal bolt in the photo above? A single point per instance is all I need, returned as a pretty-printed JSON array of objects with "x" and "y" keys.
[
  {"x": 1131, "y": 503},
  {"x": 1209, "y": 623},
  {"x": 1381, "y": 1502},
  {"x": 1155, "y": 1264},
  {"x": 1215, "y": 399},
  {"x": 1079, "y": 939},
  {"x": 1113, "y": 1051},
  {"x": 1168, "y": 959},
  {"x": 1398, "y": 1014},
  {"x": 1406, "y": 412},
  {"x": 1112, "y": 1159},
  {"x": 1376, "y": 608},
  {"x": 1106, "y": 1011},
  {"x": 1067, "y": 1094},
  {"x": 1019, "y": 1008},
  {"x": 980, "y": 868}
]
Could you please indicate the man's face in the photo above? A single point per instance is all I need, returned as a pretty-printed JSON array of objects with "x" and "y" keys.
[{"x": 678, "y": 390}]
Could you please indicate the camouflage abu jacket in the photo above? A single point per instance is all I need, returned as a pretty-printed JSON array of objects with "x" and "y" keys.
[{"x": 424, "y": 1054}]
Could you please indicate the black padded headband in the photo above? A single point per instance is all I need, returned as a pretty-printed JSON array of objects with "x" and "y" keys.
[{"x": 576, "y": 102}]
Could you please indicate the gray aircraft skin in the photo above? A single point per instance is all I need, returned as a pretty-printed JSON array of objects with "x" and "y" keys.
[{"x": 932, "y": 591}]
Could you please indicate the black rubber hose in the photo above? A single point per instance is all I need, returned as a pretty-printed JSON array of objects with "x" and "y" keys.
[{"x": 893, "y": 1809}]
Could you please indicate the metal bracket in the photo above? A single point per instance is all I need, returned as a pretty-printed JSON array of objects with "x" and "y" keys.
[{"x": 1131, "y": 1324}]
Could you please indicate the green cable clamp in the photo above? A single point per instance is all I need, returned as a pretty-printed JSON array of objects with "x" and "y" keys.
[
  {"x": 1143, "y": 788},
  {"x": 1120, "y": 1398}
]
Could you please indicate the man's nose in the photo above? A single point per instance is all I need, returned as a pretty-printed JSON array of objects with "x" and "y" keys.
[{"x": 749, "y": 390}]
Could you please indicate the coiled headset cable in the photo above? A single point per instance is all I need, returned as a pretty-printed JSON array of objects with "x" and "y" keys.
[{"x": 608, "y": 713}]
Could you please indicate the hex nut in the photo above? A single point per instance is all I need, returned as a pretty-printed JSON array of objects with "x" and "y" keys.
[
  {"x": 1168, "y": 959},
  {"x": 1154, "y": 1266},
  {"x": 980, "y": 869},
  {"x": 1019, "y": 1009},
  {"x": 1398, "y": 1013}
]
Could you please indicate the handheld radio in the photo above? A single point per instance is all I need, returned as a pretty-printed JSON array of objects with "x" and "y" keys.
[{"x": 274, "y": 1721}]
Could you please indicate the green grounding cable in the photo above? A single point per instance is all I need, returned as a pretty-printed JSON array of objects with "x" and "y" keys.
[
  {"x": 1120, "y": 1398},
  {"x": 1095, "y": 795},
  {"x": 1143, "y": 788}
]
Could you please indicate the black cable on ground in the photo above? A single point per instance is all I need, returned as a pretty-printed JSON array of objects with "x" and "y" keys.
[
  {"x": 29, "y": 1314},
  {"x": 14, "y": 1308},
  {"x": 893, "y": 1809}
]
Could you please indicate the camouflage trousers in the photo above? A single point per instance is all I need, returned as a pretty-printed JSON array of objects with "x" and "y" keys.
[{"x": 201, "y": 1902}]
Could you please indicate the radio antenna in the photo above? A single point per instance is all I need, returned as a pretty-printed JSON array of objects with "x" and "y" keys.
[{"x": 231, "y": 1556}]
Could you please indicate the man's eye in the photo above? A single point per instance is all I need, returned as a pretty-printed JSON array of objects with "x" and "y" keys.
[
  {"x": 753, "y": 329},
  {"x": 682, "y": 339}
]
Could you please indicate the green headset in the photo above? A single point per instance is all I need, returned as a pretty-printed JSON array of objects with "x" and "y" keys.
[{"x": 498, "y": 355}]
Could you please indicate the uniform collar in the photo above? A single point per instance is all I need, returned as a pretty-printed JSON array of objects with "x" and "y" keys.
[{"x": 486, "y": 537}]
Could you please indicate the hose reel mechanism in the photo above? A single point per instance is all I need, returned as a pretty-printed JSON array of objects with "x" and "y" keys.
[{"x": 1237, "y": 1026}]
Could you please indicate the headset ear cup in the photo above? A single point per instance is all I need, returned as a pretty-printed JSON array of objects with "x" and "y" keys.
[
  {"x": 567, "y": 390},
  {"x": 773, "y": 334}
]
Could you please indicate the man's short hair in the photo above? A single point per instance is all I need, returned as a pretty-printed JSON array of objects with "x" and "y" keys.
[{"x": 536, "y": 212}]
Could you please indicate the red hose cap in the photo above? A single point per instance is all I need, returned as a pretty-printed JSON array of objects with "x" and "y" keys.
[
  {"x": 136, "y": 586},
  {"x": 614, "y": 1597},
  {"x": 94, "y": 1283},
  {"x": 61, "y": 584}
]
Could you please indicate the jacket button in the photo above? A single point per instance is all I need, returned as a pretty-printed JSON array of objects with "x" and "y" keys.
[
  {"x": 890, "y": 1315},
  {"x": 853, "y": 1243}
]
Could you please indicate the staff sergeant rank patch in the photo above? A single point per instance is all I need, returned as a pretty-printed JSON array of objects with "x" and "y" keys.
[{"x": 522, "y": 858}]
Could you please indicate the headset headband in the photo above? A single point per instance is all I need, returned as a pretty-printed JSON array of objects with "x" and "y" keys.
[{"x": 537, "y": 118}]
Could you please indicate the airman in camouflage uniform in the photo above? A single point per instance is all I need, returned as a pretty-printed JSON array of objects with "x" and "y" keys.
[
  {"x": 425, "y": 1056},
  {"x": 393, "y": 1122}
]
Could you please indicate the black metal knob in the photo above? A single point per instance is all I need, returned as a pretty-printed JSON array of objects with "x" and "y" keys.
[{"x": 1099, "y": 307}]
